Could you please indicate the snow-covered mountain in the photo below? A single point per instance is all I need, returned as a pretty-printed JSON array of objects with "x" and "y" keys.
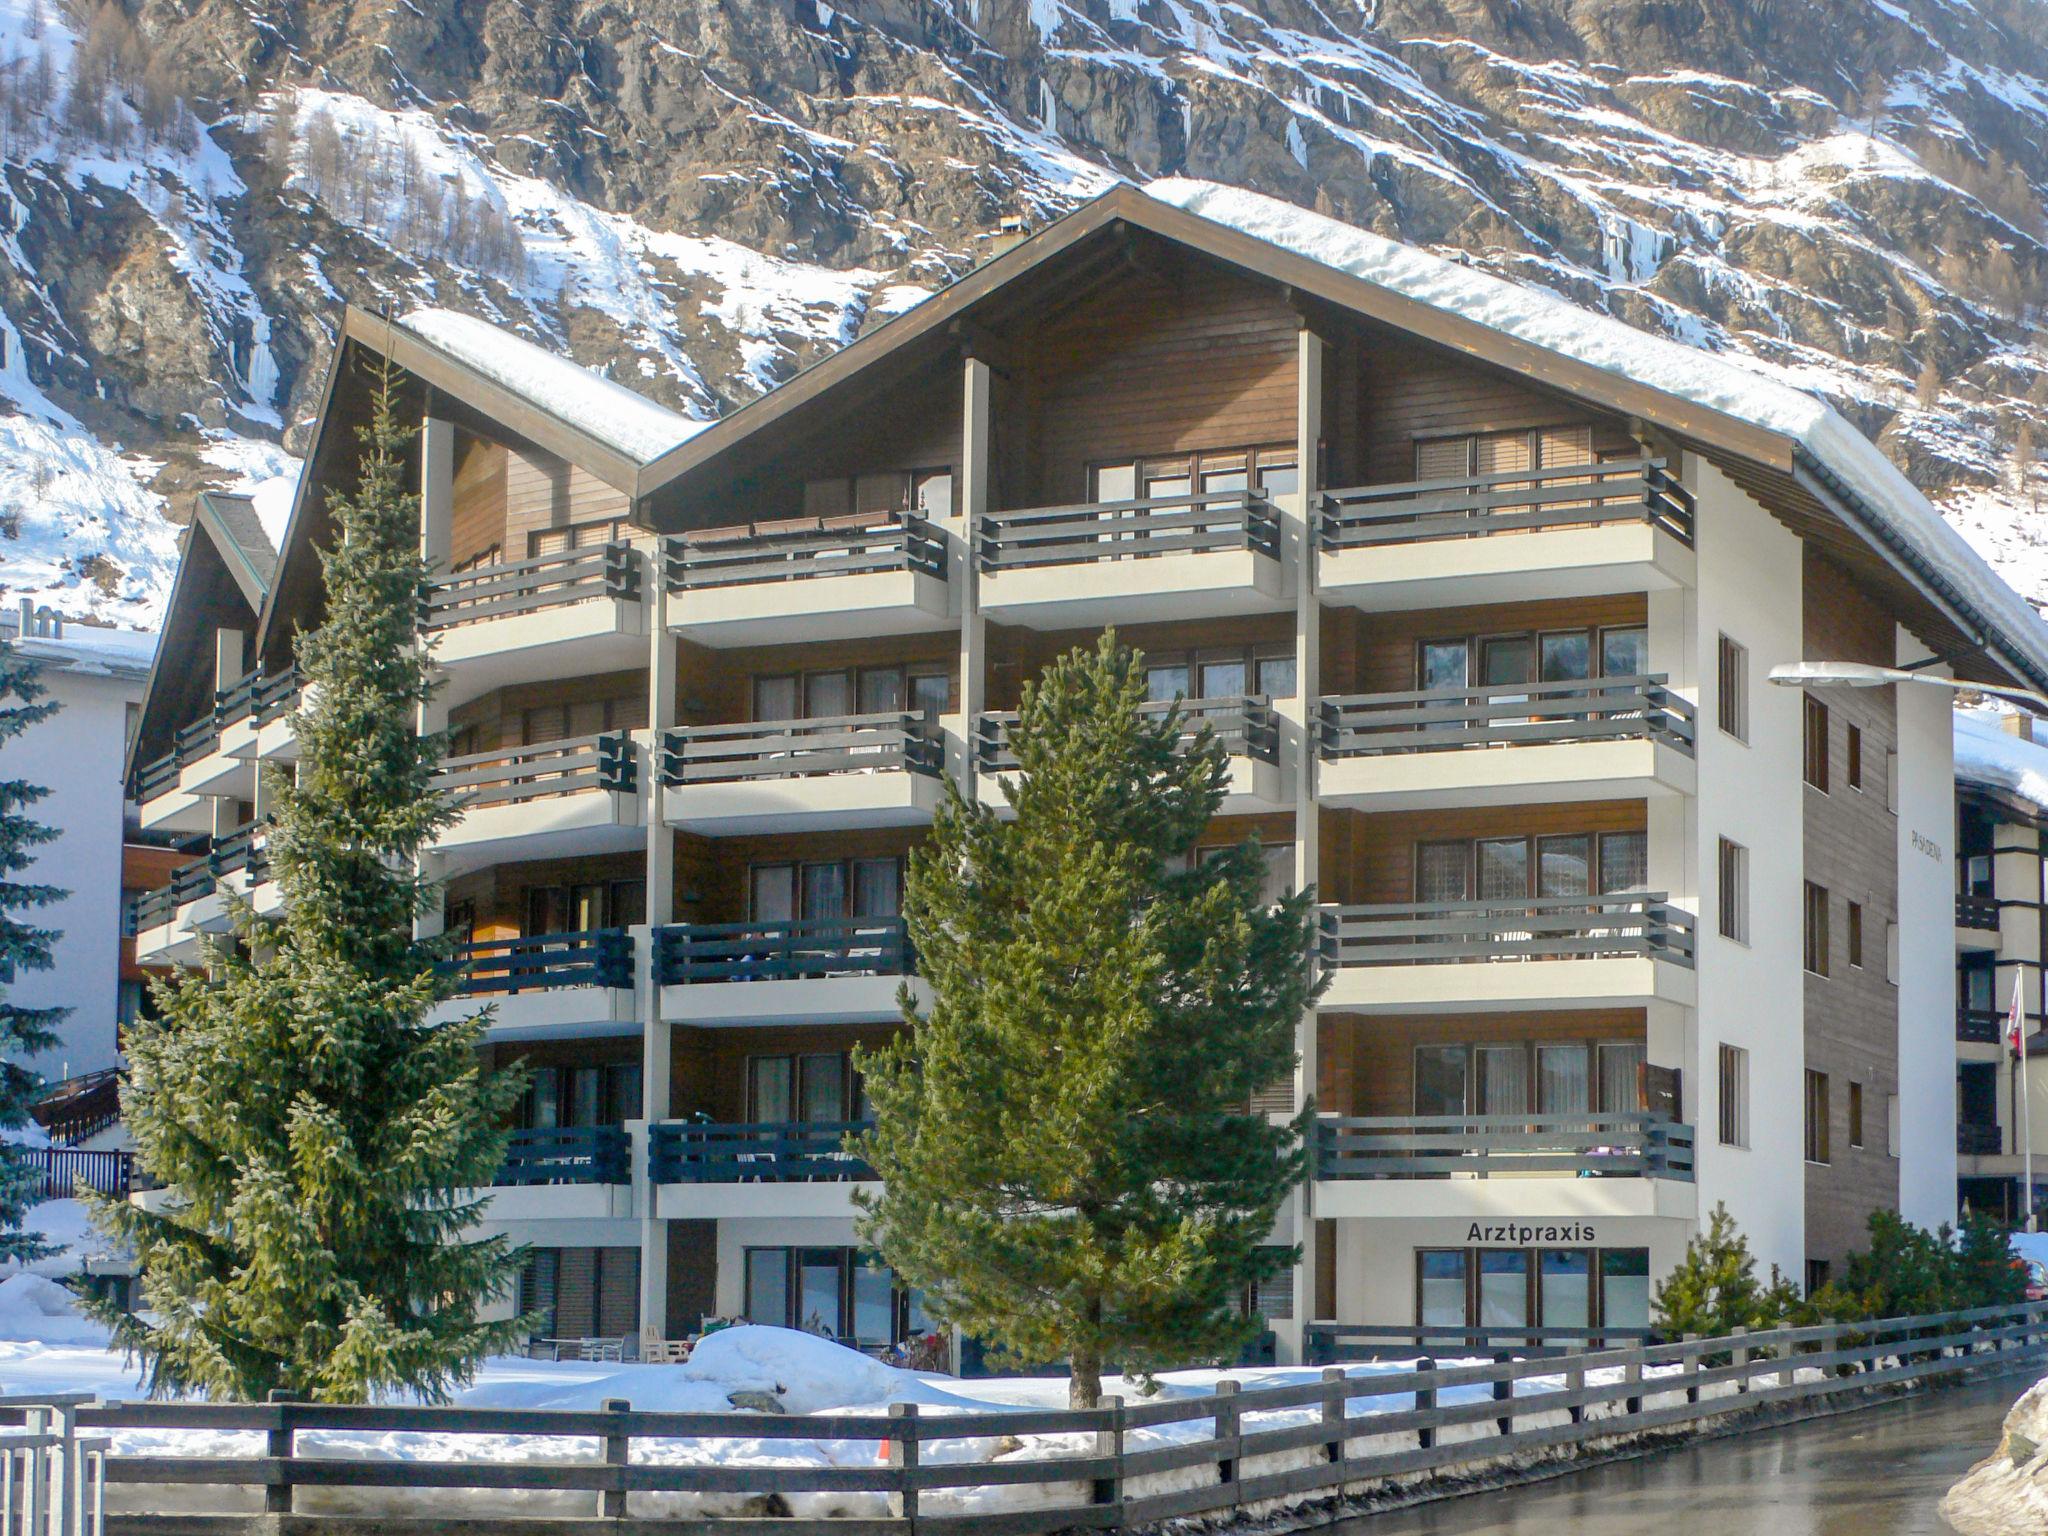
[{"x": 699, "y": 196}]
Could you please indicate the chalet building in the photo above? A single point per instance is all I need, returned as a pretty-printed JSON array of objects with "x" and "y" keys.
[{"x": 1480, "y": 591}]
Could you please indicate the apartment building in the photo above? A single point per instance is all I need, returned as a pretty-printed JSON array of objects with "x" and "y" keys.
[{"x": 1481, "y": 593}]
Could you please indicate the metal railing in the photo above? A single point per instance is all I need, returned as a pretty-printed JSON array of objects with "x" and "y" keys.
[
  {"x": 1979, "y": 1140},
  {"x": 1977, "y": 911},
  {"x": 597, "y": 957},
  {"x": 1634, "y": 923},
  {"x": 1980, "y": 1026},
  {"x": 687, "y": 1152},
  {"x": 566, "y": 1154},
  {"x": 1247, "y": 725},
  {"x": 565, "y": 767},
  {"x": 1630, "y": 1145},
  {"x": 61, "y": 1170},
  {"x": 796, "y": 949},
  {"x": 897, "y": 541},
  {"x": 889, "y": 740},
  {"x": 1518, "y": 501},
  {"x": 1505, "y": 714},
  {"x": 507, "y": 587},
  {"x": 1127, "y": 530}
]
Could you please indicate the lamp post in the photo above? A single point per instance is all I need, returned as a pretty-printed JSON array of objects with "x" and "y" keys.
[{"x": 1857, "y": 674}]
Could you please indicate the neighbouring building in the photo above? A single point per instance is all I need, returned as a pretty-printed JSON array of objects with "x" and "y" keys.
[
  {"x": 1481, "y": 591},
  {"x": 95, "y": 675}
]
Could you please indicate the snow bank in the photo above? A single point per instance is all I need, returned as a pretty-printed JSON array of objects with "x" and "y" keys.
[
  {"x": 2006, "y": 1494},
  {"x": 1721, "y": 383},
  {"x": 1988, "y": 755},
  {"x": 67, "y": 1227},
  {"x": 36, "y": 1309}
]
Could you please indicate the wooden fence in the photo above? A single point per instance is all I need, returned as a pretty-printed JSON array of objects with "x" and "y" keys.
[{"x": 1117, "y": 1466}]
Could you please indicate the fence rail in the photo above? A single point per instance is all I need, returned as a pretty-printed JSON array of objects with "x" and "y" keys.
[
  {"x": 1505, "y": 714},
  {"x": 1247, "y": 725},
  {"x": 1518, "y": 501},
  {"x": 1514, "y": 928},
  {"x": 567, "y": 1154},
  {"x": 1315, "y": 1439},
  {"x": 564, "y": 767},
  {"x": 799, "y": 949},
  {"x": 1128, "y": 530},
  {"x": 1334, "y": 1343},
  {"x": 788, "y": 749},
  {"x": 747, "y": 557},
  {"x": 597, "y": 957},
  {"x": 690, "y": 1152},
  {"x": 1632, "y": 1145},
  {"x": 507, "y": 587}
]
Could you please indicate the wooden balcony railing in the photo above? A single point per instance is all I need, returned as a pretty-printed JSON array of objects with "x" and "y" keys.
[
  {"x": 60, "y": 1170},
  {"x": 902, "y": 740},
  {"x": 1506, "y": 714},
  {"x": 188, "y": 882},
  {"x": 1519, "y": 501},
  {"x": 1979, "y": 1140},
  {"x": 1980, "y": 1026},
  {"x": 688, "y": 1152},
  {"x": 567, "y": 1154},
  {"x": 801, "y": 949},
  {"x": 1246, "y": 725},
  {"x": 264, "y": 695},
  {"x": 567, "y": 767},
  {"x": 1480, "y": 1146},
  {"x": 507, "y": 587},
  {"x": 1630, "y": 924},
  {"x": 1976, "y": 911},
  {"x": 598, "y": 957},
  {"x": 1127, "y": 530},
  {"x": 243, "y": 850},
  {"x": 735, "y": 557}
]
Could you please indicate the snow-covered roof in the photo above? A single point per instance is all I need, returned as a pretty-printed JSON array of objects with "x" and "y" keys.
[
  {"x": 1718, "y": 382},
  {"x": 1991, "y": 757},
  {"x": 609, "y": 412},
  {"x": 87, "y": 648}
]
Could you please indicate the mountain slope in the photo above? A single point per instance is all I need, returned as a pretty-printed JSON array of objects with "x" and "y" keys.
[{"x": 699, "y": 198}]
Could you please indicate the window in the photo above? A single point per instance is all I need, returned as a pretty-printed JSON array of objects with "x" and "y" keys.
[
  {"x": 1816, "y": 1275},
  {"x": 1224, "y": 672},
  {"x": 844, "y": 691},
  {"x": 1856, "y": 935},
  {"x": 1734, "y": 1096},
  {"x": 1853, "y": 766},
  {"x": 824, "y": 889},
  {"x": 1211, "y": 472},
  {"x": 1733, "y": 698},
  {"x": 1816, "y": 928},
  {"x": 1818, "y": 1109},
  {"x": 1553, "y": 1077},
  {"x": 1816, "y": 743},
  {"x": 928, "y": 492},
  {"x": 1734, "y": 889},
  {"x": 1504, "y": 868},
  {"x": 1552, "y": 656},
  {"x": 1532, "y": 1287},
  {"x": 1891, "y": 1124},
  {"x": 1855, "y": 1114},
  {"x": 838, "y": 1293}
]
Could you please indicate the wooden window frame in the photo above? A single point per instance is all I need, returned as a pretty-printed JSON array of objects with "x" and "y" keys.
[
  {"x": 1532, "y": 1305},
  {"x": 1855, "y": 1114},
  {"x": 1856, "y": 935},
  {"x": 1852, "y": 766},
  {"x": 1817, "y": 939},
  {"x": 1731, "y": 702},
  {"x": 1815, "y": 729},
  {"x": 1732, "y": 1110},
  {"x": 1732, "y": 889},
  {"x": 1819, "y": 1110},
  {"x": 1534, "y": 840}
]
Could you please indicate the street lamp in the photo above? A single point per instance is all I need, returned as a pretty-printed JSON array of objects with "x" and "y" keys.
[{"x": 1858, "y": 674}]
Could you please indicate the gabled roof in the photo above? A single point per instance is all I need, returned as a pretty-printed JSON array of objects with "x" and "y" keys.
[
  {"x": 1788, "y": 448},
  {"x": 238, "y": 533}
]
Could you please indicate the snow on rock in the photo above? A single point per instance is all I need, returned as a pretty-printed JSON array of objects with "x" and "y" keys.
[
  {"x": 35, "y": 1309},
  {"x": 2006, "y": 1494},
  {"x": 607, "y": 411}
]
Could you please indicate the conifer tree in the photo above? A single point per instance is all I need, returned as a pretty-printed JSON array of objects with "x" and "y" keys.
[
  {"x": 1073, "y": 1171},
  {"x": 23, "y": 947},
  {"x": 1714, "y": 1287},
  {"x": 319, "y": 1134}
]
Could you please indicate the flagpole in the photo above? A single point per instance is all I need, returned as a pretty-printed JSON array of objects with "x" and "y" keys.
[{"x": 2026, "y": 1094}]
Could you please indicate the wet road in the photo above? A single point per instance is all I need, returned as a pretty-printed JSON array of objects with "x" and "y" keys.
[{"x": 1880, "y": 1472}]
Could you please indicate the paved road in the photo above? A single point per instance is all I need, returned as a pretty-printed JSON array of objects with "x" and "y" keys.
[{"x": 1880, "y": 1472}]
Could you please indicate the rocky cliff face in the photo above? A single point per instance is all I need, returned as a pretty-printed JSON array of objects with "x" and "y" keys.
[{"x": 700, "y": 197}]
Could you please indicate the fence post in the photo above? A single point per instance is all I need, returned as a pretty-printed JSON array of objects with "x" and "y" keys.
[
  {"x": 1334, "y": 1402},
  {"x": 278, "y": 1446},
  {"x": 618, "y": 1445},
  {"x": 1109, "y": 1441},
  {"x": 1632, "y": 1376},
  {"x": 1741, "y": 1358},
  {"x": 1226, "y": 1434},
  {"x": 903, "y": 1457},
  {"x": 1692, "y": 1370},
  {"x": 35, "y": 1467},
  {"x": 1425, "y": 1402},
  {"x": 1575, "y": 1380},
  {"x": 1787, "y": 1371},
  {"x": 1504, "y": 1392}
]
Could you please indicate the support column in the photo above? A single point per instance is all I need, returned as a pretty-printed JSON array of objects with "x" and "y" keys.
[
  {"x": 437, "y": 517},
  {"x": 656, "y": 1034},
  {"x": 975, "y": 502},
  {"x": 229, "y": 664},
  {"x": 1299, "y": 549}
]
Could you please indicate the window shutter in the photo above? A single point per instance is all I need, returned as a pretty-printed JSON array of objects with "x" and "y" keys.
[
  {"x": 618, "y": 1293},
  {"x": 1276, "y": 1098},
  {"x": 1443, "y": 458},
  {"x": 576, "y": 1294}
]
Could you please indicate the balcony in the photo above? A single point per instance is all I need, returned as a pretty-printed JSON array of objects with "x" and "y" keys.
[
  {"x": 1507, "y": 744},
  {"x": 1248, "y": 728},
  {"x": 166, "y": 803},
  {"x": 559, "y": 799},
  {"x": 1130, "y": 562},
  {"x": 1576, "y": 531},
  {"x": 835, "y": 771},
  {"x": 814, "y": 970},
  {"x": 1980, "y": 1026},
  {"x": 566, "y": 1154},
  {"x": 575, "y": 613},
  {"x": 1524, "y": 1165},
  {"x": 164, "y": 931},
  {"x": 1631, "y": 949},
  {"x": 1977, "y": 922},
  {"x": 546, "y": 986},
  {"x": 808, "y": 580},
  {"x": 240, "y": 863},
  {"x": 1979, "y": 1140},
  {"x": 704, "y": 1170}
]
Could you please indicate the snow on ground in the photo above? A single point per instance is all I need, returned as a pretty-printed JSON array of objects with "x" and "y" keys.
[{"x": 2006, "y": 1494}]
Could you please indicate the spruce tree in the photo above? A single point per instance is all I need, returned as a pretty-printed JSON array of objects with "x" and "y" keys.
[
  {"x": 320, "y": 1136},
  {"x": 1072, "y": 1168},
  {"x": 1714, "y": 1289},
  {"x": 23, "y": 947}
]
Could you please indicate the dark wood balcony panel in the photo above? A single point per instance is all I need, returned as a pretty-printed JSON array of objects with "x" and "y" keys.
[
  {"x": 1248, "y": 726},
  {"x": 1479, "y": 1146},
  {"x": 599, "y": 957},
  {"x": 1507, "y": 714},
  {"x": 508, "y": 587},
  {"x": 1979, "y": 1140},
  {"x": 567, "y": 1154},
  {"x": 1519, "y": 501},
  {"x": 689, "y": 1152},
  {"x": 1977, "y": 911},
  {"x": 901, "y": 740},
  {"x": 1128, "y": 530},
  {"x": 1980, "y": 1026},
  {"x": 567, "y": 767},
  {"x": 731, "y": 557},
  {"x": 799, "y": 949},
  {"x": 1631, "y": 924}
]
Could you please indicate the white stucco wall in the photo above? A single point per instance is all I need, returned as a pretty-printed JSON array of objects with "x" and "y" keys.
[{"x": 1925, "y": 800}]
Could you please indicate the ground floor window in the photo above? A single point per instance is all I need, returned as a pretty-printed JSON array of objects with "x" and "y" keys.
[
  {"x": 1532, "y": 1287},
  {"x": 582, "y": 1293},
  {"x": 836, "y": 1292}
]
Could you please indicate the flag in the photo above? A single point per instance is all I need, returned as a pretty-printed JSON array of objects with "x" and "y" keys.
[{"x": 2015, "y": 1018}]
